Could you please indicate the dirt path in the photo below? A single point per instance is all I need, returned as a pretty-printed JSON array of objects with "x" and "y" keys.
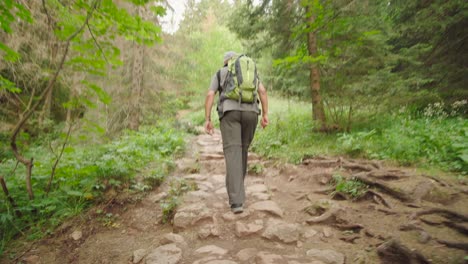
[{"x": 290, "y": 218}]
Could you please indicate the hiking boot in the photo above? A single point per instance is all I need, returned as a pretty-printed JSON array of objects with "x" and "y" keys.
[{"x": 237, "y": 208}]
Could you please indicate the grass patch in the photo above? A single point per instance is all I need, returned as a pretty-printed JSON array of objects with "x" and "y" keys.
[{"x": 433, "y": 140}]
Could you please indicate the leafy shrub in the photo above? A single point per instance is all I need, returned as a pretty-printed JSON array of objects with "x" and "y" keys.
[
  {"x": 352, "y": 187},
  {"x": 83, "y": 174},
  {"x": 169, "y": 204}
]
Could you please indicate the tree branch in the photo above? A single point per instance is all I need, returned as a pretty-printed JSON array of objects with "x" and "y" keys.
[
  {"x": 52, "y": 174},
  {"x": 97, "y": 43},
  {"x": 30, "y": 111}
]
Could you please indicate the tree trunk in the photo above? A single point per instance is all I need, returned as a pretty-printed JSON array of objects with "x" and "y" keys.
[
  {"x": 318, "y": 112},
  {"x": 137, "y": 83}
]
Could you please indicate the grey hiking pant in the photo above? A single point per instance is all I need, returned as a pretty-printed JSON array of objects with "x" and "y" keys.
[{"x": 237, "y": 131}]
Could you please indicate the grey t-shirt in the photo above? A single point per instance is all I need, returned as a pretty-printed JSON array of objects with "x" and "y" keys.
[{"x": 228, "y": 104}]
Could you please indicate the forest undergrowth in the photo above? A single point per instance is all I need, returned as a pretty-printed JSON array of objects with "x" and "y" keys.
[{"x": 88, "y": 174}]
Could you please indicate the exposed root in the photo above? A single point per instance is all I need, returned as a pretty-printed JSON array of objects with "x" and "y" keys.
[
  {"x": 354, "y": 227},
  {"x": 445, "y": 212},
  {"x": 340, "y": 196},
  {"x": 387, "y": 189},
  {"x": 410, "y": 227},
  {"x": 320, "y": 163},
  {"x": 378, "y": 198},
  {"x": 330, "y": 215},
  {"x": 325, "y": 191},
  {"x": 387, "y": 175},
  {"x": 393, "y": 251},
  {"x": 387, "y": 212},
  {"x": 458, "y": 245},
  {"x": 460, "y": 228},
  {"x": 355, "y": 166},
  {"x": 350, "y": 239}
]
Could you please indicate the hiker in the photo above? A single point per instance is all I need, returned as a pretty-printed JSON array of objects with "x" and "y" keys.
[{"x": 238, "y": 121}]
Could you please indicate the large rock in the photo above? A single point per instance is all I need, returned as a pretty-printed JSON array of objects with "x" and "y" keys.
[
  {"x": 269, "y": 258},
  {"x": 268, "y": 206},
  {"x": 243, "y": 230},
  {"x": 327, "y": 256},
  {"x": 191, "y": 214},
  {"x": 281, "y": 231},
  {"x": 167, "y": 254}
]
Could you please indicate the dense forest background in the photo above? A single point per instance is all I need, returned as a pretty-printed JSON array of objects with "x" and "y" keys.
[{"x": 90, "y": 91}]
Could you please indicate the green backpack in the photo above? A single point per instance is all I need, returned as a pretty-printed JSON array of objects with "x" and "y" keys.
[{"x": 241, "y": 82}]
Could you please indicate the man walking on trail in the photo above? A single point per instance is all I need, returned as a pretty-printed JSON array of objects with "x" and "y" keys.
[{"x": 238, "y": 121}]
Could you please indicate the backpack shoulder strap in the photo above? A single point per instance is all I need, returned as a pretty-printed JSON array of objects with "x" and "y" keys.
[{"x": 218, "y": 75}]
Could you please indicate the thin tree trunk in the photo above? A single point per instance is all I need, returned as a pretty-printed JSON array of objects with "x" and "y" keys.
[
  {"x": 318, "y": 112},
  {"x": 54, "y": 167},
  {"x": 10, "y": 199},
  {"x": 137, "y": 83},
  {"x": 27, "y": 114}
]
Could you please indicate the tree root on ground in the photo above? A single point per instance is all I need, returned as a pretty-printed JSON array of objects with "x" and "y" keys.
[
  {"x": 457, "y": 245},
  {"x": 385, "y": 188},
  {"x": 354, "y": 227},
  {"x": 457, "y": 227},
  {"x": 350, "y": 239},
  {"x": 445, "y": 212},
  {"x": 330, "y": 215},
  {"x": 393, "y": 251},
  {"x": 356, "y": 166},
  {"x": 387, "y": 175}
]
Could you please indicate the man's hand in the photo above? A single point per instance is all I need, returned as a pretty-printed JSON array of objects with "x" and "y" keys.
[
  {"x": 264, "y": 121},
  {"x": 209, "y": 129}
]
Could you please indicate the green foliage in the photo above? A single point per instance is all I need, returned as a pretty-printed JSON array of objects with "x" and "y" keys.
[
  {"x": 83, "y": 175},
  {"x": 169, "y": 204},
  {"x": 351, "y": 187},
  {"x": 290, "y": 134},
  {"x": 436, "y": 140}
]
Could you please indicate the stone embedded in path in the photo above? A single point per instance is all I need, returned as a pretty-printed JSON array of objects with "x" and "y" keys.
[
  {"x": 155, "y": 198},
  {"x": 257, "y": 188},
  {"x": 138, "y": 255},
  {"x": 173, "y": 238},
  {"x": 313, "y": 262},
  {"x": 269, "y": 258},
  {"x": 210, "y": 230},
  {"x": 243, "y": 230},
  {"x": 221, "y": 191},
  {"x": 327, "y": 256},
  {"x": 167, "y": 254},
  {"x": 261, "y": 196},
  {"x": 205, "y": 186},
  {"x": 229, "y": 216},
  {"x": 195, "y": 177},
  {"x": 309, "y": 233},
  {"x": 220, "y": 261},
  {"x": 218, "y": 178},
  {"x": 32, "y": 259},
  {"x": 268, "y": 206},
  {"x": 282, "y": 231},
  {"x": 77, "y": 235},
  {"x": 211, "y": 250},
  {"x": 247, "y": 253},
  {"x": 212, "y": 157},
  {"x": 191, "y": 214},
  {"x": 196, "y": 196}
]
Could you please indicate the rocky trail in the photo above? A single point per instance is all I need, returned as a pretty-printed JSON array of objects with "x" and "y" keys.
[{"x": 293, "y": 215}]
